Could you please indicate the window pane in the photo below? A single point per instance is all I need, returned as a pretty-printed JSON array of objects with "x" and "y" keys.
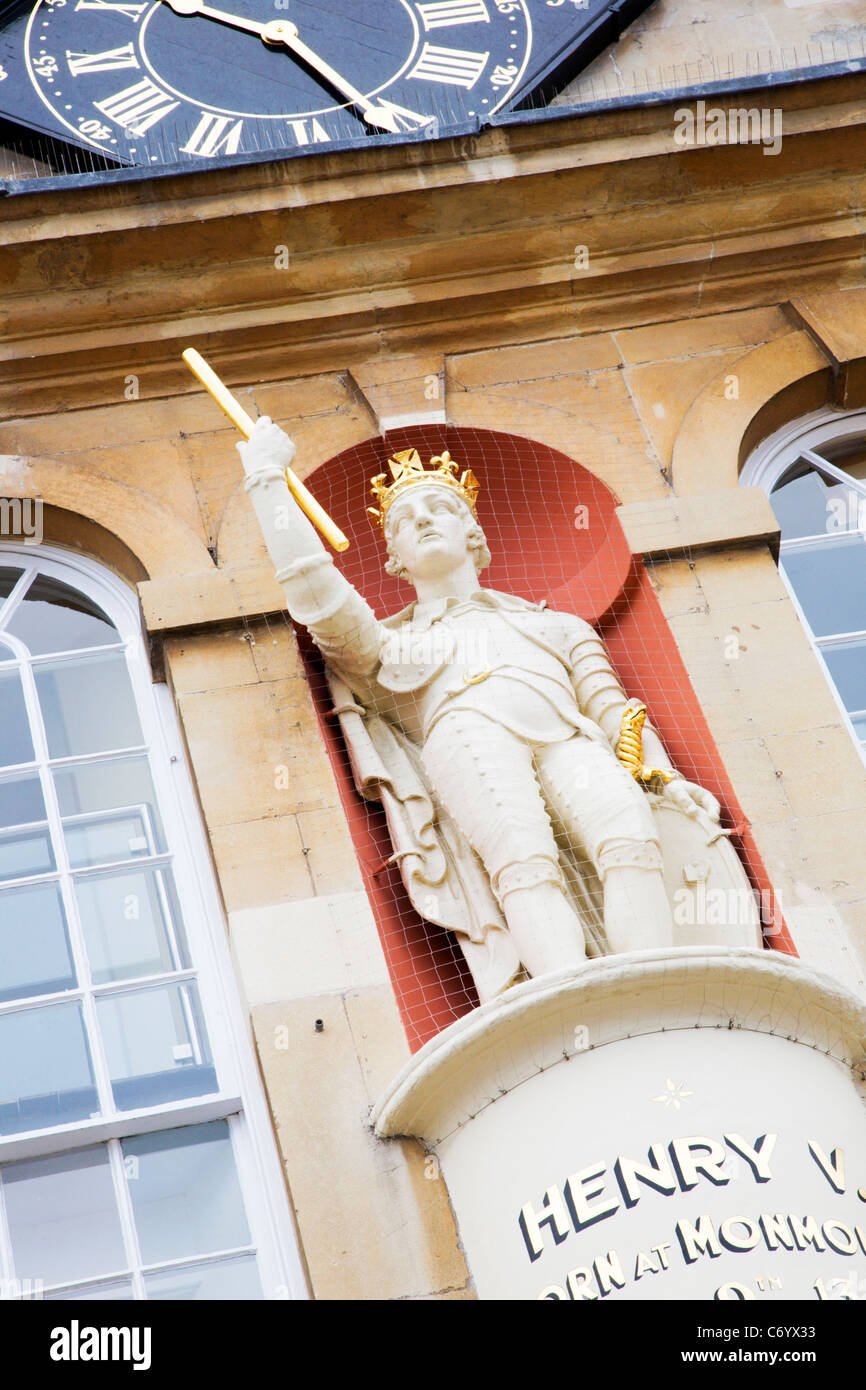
[
  {"x": 21, "y": 800},
  {"x": 119, "y": 1292},
  {"x": 801, "y": 506},
  {"x": 23, "y": 852},
  {"x": 830, "y": 583},
  {"x": 846, "y": 507},
  {"x": 45, "y": 1072},
  {"x": 236, "y": 1279},
  {"x": 52, "y": 617},
  {"x": 859, "y": 722},
  {"x": 63, "y": 1217},
  {"x": 34, "y": 947},
  {"x": 185, "y": 1192},
  {"x": 156, "y": 1045},
  {"x": 8, "y": 579},
  {"x": 847, "y": 664},
  {"x": 16, "y": 745},
  {"x": 131, "y": 924},
  {"x": 109, "y": 811},
  {"x": 87, "y": 705}
]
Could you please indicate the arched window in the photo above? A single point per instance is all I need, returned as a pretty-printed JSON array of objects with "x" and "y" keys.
[
  {"x": 814, "y": 473},
  {"x": 134, "y": 1157}
]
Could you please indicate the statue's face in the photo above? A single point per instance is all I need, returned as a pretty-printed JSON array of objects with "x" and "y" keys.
[{"x": 427, "y": 530}]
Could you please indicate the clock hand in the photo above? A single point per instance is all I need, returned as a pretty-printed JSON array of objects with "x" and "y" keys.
[
  {"x": 384, "y": 115},
  {"x": 187, "y": 7}
]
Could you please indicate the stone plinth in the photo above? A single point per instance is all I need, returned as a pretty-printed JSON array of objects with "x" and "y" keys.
[{"x": 659, "y": 1125}]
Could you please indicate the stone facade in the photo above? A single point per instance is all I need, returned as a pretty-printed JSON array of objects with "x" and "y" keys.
[{"x": 721, "y": 295}]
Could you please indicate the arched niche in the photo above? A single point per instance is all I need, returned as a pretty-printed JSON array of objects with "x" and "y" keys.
[{"x": 554, "y": 535}]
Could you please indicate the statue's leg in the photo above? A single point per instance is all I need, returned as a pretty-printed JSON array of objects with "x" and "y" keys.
[
  {"x": 607, "y": 817},
  {"x": 484, "y": 777}
]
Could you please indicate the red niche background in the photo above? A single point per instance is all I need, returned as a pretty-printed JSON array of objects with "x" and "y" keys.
[{"x": 553, "y": 534}]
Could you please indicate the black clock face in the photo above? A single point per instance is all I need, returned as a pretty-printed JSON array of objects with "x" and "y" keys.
[
  {"x": 160, "y": 80},
  {"x": 153, "y": 82}
]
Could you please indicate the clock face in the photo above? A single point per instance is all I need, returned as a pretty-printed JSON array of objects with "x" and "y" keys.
[{"x": 154, "y": 81}]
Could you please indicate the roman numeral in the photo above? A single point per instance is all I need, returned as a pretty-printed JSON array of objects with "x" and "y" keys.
[
  {"x": 315, "y": 134},
  {"x": 437, "y": 16},
  {"x": 102, "y": 62},
  {"x": 137, "y": 108},
  {"x": 404, "y": 119},
  {"x": 133, "y": 12},
  {"x": 454, "y": 65},
  {"x": 213, "y": 136}
]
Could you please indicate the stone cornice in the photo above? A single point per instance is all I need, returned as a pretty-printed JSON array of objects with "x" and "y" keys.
[{"x": 424, "y": 247}]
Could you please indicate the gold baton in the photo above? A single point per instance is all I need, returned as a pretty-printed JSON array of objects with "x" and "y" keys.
[{"x": 239, "y": 417}]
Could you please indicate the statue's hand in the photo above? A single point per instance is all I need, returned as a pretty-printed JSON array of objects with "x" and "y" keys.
[
  {"x": 289, "y": 534},
  {"x": 692, "y": 799},
  {"x": 267, "y": 447}
]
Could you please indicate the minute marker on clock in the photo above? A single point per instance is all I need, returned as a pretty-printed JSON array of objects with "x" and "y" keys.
[{"x": 282, "y": 32}]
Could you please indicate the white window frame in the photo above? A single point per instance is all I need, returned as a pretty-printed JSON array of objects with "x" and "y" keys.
[
  {"x": 807, "y": 439},
  {"x": 240, "y": 1099}
]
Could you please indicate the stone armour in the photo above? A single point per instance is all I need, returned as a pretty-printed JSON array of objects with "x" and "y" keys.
[{"x": 507, "y": 747}]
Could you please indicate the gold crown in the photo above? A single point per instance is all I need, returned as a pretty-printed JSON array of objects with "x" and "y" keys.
[{"x": 407, "y": 470}]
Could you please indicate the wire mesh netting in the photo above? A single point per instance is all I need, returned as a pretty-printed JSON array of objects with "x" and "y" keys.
[{"x": 554, "y": 537}]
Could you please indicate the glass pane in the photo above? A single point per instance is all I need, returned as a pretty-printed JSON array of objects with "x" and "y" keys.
[
  {"x": 16, "y": 745},
  {"x": 119, "y": 1292},
  {"x": 23, "y": 852},
  {"x": 847, "y": 665},
  {"x": 8, "y": 579},
  {"x": 830, "y": 583},
  {"x": 109, "y": 811},
  {"x": 131, "y": 924},
  {"x": 63, "y": 1217},
  {"x": 236, "y": 1279},
  {"x": 52, "y": 617},
  {"x": 21, "y": 800},
  {"x": 87, "y": 705},
  {"x": 185, "y": 1192},
  {"x": 801, "y": 507},
  {"x": 34, "y": 947},
  {"x": 45, "y": 1072},
  {"x": 846, "y": 506},
  {"x": 859, "y": 722},
  {"x": 156, "y": 1045}
]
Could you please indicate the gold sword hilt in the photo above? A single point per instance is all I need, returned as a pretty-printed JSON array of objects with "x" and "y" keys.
[
  {"x": 629, "y": 747},
  {"x": 246, "y": 424}
]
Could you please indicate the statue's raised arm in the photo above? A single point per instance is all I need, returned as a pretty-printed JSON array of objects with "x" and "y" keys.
[{"x": 338, "y": 619}]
